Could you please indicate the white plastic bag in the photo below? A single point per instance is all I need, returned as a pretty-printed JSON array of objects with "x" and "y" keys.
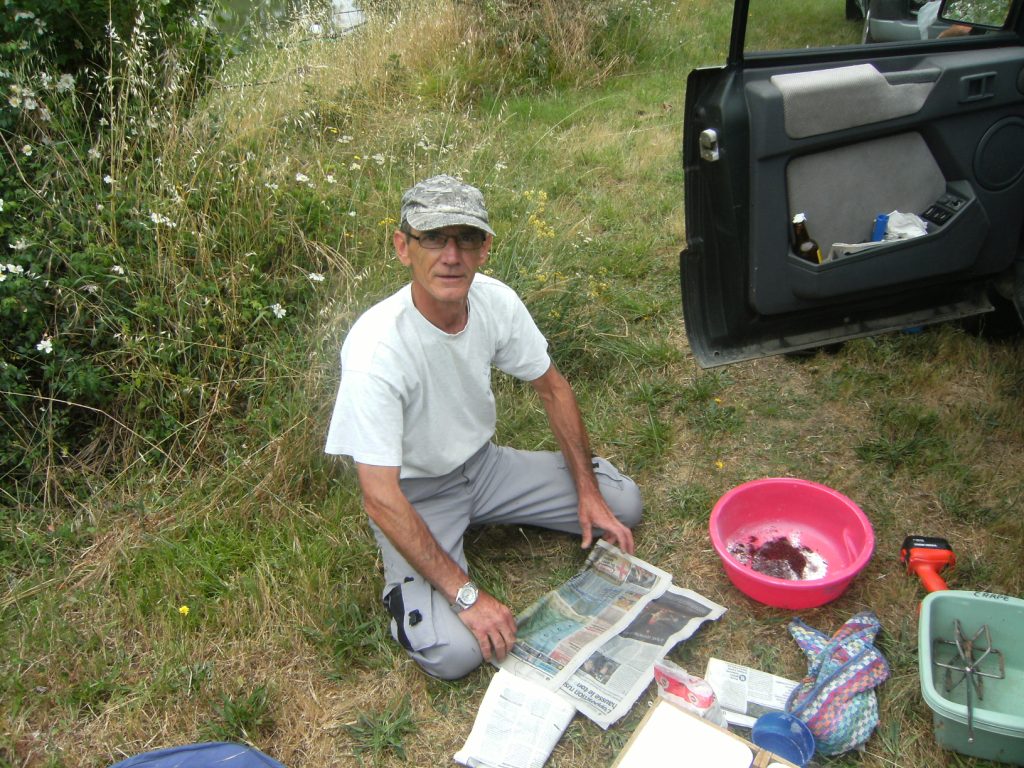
[
  {"x": 926, "y": 16},
  {"x": 903, "y": 226}
]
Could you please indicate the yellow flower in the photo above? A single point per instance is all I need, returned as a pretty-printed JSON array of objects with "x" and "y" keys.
[
  {"x": 718, "y": 400},
  {"x": 183, "y": 610},
  {"x": 719, "y": 464}
]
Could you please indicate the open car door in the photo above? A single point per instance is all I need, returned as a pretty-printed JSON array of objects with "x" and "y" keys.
[{"x": 843, "y": 130}]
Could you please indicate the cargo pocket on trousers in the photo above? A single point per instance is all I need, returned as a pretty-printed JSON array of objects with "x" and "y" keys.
[
  {"x": 607, "y": 471},
  {"x": 410, "y": 605}
]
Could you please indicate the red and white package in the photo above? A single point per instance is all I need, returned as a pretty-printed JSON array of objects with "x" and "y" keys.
[{"x": 688, "y": 692}]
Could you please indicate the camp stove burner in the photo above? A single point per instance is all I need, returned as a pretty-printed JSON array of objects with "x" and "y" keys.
[{"x": 970, "y": 655}]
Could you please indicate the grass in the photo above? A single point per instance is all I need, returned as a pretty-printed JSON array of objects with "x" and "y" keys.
[{"x": 262, "y": 538}]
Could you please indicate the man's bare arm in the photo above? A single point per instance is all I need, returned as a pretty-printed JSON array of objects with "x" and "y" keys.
[
  {"x": 567, "y": 424},
  {"x": 490, "y": 621}
]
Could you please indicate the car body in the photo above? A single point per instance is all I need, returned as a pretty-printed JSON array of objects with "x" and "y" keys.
[
  {"x": 888, "y": 21},
  {"x": 844, "y": 131}
]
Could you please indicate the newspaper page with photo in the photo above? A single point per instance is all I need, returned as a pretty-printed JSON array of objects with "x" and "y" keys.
[
  {"x": 609, "y": 681},
  {"x": 590, "y": 644},
  {"x": 564, "y": 627}
]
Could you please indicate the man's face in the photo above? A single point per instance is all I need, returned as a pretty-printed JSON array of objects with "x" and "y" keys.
[{"x": 441, "y": 276}]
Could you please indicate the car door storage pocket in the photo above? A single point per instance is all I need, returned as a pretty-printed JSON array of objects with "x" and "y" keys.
[
  {"x": 956, "y": 227},
  {"x": 843, "y": 190}
]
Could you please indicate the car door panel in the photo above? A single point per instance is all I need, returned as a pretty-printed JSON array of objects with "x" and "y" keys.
[{"x": 843, "y": 141}]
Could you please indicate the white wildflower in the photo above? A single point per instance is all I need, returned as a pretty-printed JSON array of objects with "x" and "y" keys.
[
  {"x": 301, "y": 178},
  {"x": 352, "y": 214},
  {"x": 94, "y": 154},
  {"x": 26, "y": 150},
  {"x": 23, "y": 15},
  {"x": 117, "y": 269},
  {"x": 1, "y": 205},
  {"x": 378, "y": 158},
  {"x": 30, "y": 103},
  {"x": 19, "y": 245},
  {"x": 66, "y": 83},
  {"x": 108, "y": 179},
  {"x": 278, "y": 311},
  {"x": 329, "y": 178},
  {"x": 354, "y": 167},
  {"x": 499, "y": 166},
  {"x": 45, "y": 345},
  {"x": 160, "y": 219},
  {"x": 15, "y": 269},
  {"x": 316, "y": 277},
  {"x": 14, "y": 100},
  {"x": 344, "y": 139}
]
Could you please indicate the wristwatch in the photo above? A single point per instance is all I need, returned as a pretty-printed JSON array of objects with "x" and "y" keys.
[{"x": 466, "y": 596}]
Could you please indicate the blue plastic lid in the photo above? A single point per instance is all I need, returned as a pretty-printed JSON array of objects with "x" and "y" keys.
[{"x": 786, "y": 735}]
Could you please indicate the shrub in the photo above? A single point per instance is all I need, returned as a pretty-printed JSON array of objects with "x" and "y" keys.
[{"x": 71, "y": 133}]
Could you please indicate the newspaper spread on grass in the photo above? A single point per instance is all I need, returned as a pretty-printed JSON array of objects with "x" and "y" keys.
[
  {"x": 595, "y": 639},
  {"x": 590, "y": 644},
  {"x": 745, "y": 693},
  {"x": 608, "y": 682},
  {"x": 564, "y": 627}
]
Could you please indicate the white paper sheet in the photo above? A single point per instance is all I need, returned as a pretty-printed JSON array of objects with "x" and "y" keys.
[{"x": 518, "y": 725}]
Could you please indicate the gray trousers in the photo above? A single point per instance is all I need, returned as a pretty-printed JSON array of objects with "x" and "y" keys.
[{"x": 497, "y": 486}]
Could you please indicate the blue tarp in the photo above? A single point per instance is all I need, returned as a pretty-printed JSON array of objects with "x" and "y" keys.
[{"x": 210, "y": 755}]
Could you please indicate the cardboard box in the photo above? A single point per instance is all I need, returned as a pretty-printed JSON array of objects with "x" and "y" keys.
[{"x": 671, "y": 737}]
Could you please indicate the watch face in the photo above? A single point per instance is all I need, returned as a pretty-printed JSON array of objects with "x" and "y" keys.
[{"x": 467, "y": 595}]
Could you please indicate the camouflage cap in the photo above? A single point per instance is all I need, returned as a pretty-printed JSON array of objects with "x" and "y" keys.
[{"x": 442, "y": 201}]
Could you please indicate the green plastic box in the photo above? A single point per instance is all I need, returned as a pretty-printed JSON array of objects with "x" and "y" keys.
[{"x": 998, "y": 718}]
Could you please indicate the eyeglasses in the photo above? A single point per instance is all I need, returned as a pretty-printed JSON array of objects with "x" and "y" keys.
[{"x": 467, "y": 240}]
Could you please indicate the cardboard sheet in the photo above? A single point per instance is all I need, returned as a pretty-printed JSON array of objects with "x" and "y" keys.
[{"x": 670, "y": 737}]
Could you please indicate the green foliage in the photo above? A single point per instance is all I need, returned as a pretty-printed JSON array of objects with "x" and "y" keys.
[
  {"x": 908, "y": 437},
  {"x": 243, "y": 717},
  {"x": 382, "y": 733},
  {"x": 537, "y": 44},
  {"x": 158, "y": 261},
  {"x": 693, "y": 501},
  {"x": 71, "y": 225},
  {"x": 355, "y": 635}
]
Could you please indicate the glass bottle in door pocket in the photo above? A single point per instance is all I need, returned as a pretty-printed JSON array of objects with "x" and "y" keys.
[{"x": 803, "y": 246}]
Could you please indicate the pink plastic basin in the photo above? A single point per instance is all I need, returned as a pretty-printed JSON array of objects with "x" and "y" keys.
[{"x": 812, "y": 515}]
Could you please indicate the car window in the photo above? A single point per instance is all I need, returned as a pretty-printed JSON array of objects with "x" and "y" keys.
[{"x": 779, "y": 25}]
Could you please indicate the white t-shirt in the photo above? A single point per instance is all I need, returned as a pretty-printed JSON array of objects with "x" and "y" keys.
[{"x": 415, "y": 397}]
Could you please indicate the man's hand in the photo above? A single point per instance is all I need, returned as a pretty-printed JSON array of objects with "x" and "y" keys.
[
  {"x": 492, "y": 624},
  {"x": 594, "y": 513}
]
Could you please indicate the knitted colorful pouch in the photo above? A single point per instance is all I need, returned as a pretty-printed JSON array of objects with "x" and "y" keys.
[{"x": 836, "y": 698}]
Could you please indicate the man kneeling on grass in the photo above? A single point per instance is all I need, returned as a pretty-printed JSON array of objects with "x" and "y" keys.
[{"x": 416, "y": 412}]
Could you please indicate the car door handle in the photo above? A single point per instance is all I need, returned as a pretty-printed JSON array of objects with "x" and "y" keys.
[
  {"x": 709, "y": 145},
  {"x": 977, "y": 87}
]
